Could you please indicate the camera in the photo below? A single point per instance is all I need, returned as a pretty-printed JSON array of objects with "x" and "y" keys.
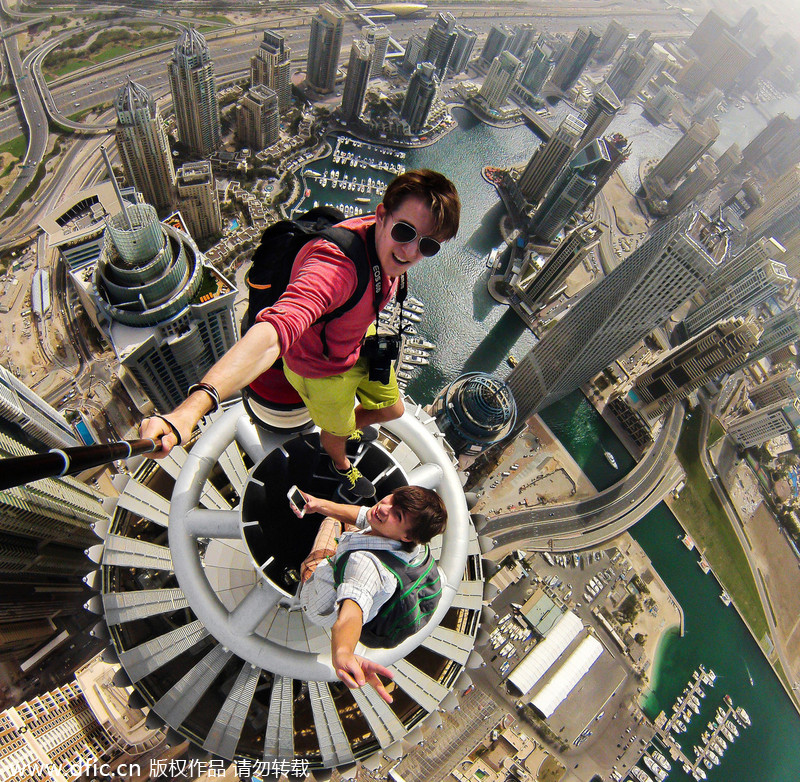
[{"x": 381, "y": 350}]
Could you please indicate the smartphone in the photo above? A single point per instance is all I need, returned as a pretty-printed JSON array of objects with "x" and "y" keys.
[{"x": 297, "y": 500}]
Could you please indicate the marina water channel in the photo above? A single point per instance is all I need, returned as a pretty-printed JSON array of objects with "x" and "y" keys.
[{"x": 471, "y": 333}]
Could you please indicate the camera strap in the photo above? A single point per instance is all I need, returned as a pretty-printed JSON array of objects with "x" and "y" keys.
[{"x": 377, "y": 280}]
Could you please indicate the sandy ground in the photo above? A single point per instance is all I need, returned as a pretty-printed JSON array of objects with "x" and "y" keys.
[
  {"x": 546, "y": 474},
  {"x": 628, "y": 216},
  {"x": 777, "y": 563}
]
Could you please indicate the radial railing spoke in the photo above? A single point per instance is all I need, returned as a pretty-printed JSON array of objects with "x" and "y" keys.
[
  {"x": 207, "y": 523},
  {"x": 253, "y": 610}
]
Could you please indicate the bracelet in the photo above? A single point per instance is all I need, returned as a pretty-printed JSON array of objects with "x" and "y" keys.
[
  {"x": 171, "y": 426},
  {"x": 210, "y": 390}
]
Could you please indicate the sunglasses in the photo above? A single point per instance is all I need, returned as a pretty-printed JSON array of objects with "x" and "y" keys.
[{"x": 404, "y": 233}]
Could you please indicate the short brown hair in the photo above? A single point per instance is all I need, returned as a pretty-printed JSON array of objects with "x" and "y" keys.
[
  {"x": 424, "y": 509},
  {"x": 436, "y": 190}
]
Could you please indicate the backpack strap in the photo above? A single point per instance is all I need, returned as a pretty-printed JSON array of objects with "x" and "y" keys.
[{"x": 355, "y": 248}]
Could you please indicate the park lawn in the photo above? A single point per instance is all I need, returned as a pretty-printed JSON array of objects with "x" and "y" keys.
[
  {"x": 15, "y": 147},
  {"x": 67, "y": 67},
  {"x": 715, "y": 432},
  {"x": 216, "y": 18},
  {"x": 6, "y": 94},
  {"x": 706, "y": 521},
  {"x": 110, "y": 52}
]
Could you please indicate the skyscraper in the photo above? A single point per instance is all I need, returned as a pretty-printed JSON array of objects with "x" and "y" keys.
[
  {"x": 194, "y": 93},
  {"x": 624, "y": 307},
  {"x": 411, "y": 57},
  {"x": 324, "y": 47},
  {"x": 710, "y": 354},
  {"x": 497, "y": 40},
  {"x": 521, "y": 40},
  {"x": 362, "y": 55},
  {"x": 707, "y": 105},
  {"x": 536, "y": 285},
  {"x": 462, "y": 49},
  {"x": 779, "y": 212},
  {"x": 750, "y": 289},
  {"x": 613, "y": 37},
  {"x": 755, "y": 254},
  {"x": 502, "y": 74},
  {"x": 601, "y": 111},
  {"x": 439, "y": 43},
  {"x": 378, "y": 36},
  {"x": 728, "y": 161},
  {"x": 419, "y": 97},
  {"x": 258, "y": 118},
  {"x": 574, "y": 188},
  {"x": 625, "y": 73},
  {"x": 143, "y": 146},
  {"x": 697, "y": 182},
  {"x": 574, "y": 59},
  {"x": 550, "y": 158},
  {"x": 534, "y": 75},
  {"x": 707, "y": 33},
  {"x": 198, "y": 200},
  {"x": 781, "y": 387},
  {"x": 659, "y": 108},
  {"x": 272, "y": 67},
  {"x": 168, "y": 314},
  {"x": 780, "y": 331},
  {"x": 697, "y": 140},
  {"x": 761, "y": 425}
]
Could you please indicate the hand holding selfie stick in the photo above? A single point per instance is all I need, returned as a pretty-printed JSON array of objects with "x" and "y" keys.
[{"x": 19, "y": 470}]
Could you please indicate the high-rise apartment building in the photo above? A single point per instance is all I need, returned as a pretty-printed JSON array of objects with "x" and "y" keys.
[
  {"x": 144, "y": 146},
  {"x": 377, "y": 35},
  {"x": 655, "y": 61},
  {"x": 761, "y": 425},
  {"x": 419, "y": 97},
  {"x": 755, "y": 254},
  {"x": 411, "y": 57},
  {"x": 198, "y": 200},
  {"x": 659, "y": 108},
  {"x": 549, "y": 159},
  {"x": 497, "y": 40},
  {"x": 728, "y": 162},
  {"x": 623, "y": 308},
  {"x": 779, "y": 332},
  {"x": 324, "y": 48},
  {"x": 535, "y": 73},
  {"x": 573, "y": 189},
  {"x": 697, "y": 182},
  {"x": 684, "y": 369},
  {"x": 167, "y": 313},
  {"x": 521, "y": 40},
  {"x": 613, "y": 37},
  {"x": 502, "y": 74},
  {"x": 731, "y": 57},
  {"x": 258, "y": 118},
  {"x": 625, "y": 73},
  {"x": 439, "y": 43},
  {"x": 707, "y": 105},
  {"x": 462, "y": 49},
  {"x": 359, "y": 68},
  {"x": 689, "y": 148},
  {"x": 781, "y": 387},
  {"x": 194, "y": 94},
  {"x": 752, "y": 288},
  {"x": 272, "y": 67},
  {"x": 574, "y": 59},
  {"x": 600, "y": 112},
  {"x": 706, "y": 35},
  {"x": 778, "y": 213},
  {"x": 536, "y": 284}
]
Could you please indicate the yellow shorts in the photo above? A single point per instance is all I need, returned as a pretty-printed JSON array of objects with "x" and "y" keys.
[{"x": 330, "y": 400}]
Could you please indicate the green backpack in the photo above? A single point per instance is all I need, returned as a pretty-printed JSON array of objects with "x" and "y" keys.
[{"x": 411, "y": 605}]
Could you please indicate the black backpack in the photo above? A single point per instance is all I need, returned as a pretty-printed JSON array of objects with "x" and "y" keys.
[
  {"x": 271, "y": 266},
  {"x": 409, "y": 608}
]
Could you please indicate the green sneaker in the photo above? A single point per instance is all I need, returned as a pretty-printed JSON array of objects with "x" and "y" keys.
[
  {"x": 366, "y": 435},
  {"x": 353, "y": 482}
]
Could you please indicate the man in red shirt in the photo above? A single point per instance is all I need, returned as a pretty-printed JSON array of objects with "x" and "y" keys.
[{"x": 420, "y": 210}]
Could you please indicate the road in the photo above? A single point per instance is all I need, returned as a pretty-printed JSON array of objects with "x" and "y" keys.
[{"x": 585, "y": 523}]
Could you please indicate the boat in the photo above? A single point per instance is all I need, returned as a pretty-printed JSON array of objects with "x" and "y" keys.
[
  {"x": 701, "y": 692},
  {"x": 708, "y": 764},
  {"x": 743, "y": 716},
  {"x": 680, "y": 727},
  {"x": 311, "y": 172},
  {"x": 411, "y": 300},
  {"x": 308, "y": 192},
  {"x": 420, "y": 342},
  {"x": 695, "y": 707},
  {"x": 721, "y": 741},
  {"x": 414, "y": 306},
  {"x": 699, "y": 774},
  {"x": 728, "y": 702},
  {"x": 656, "y": 770},
  {"x": 640, "y": 775},
  {"x": 732, "y": 728},
  {"x": 704, "y": 737},
  {"x": 712, "y": 756},
  {"x": 363, "y": 200},
  {"x": 610, "y": 459},
  {"x": 687, "y": 541},
  {"x": 512, "y": 360},
  {"x": 725, "y": 598},
  {"x": 710, "y": 677},
  {"x": 694, "y": 701},
  {"x": 687, "y": 715},
  {"x": 417, "y": 360},
  {"x": 704, "y": 566},
  {"x": 749, "y": 675},
  {"x": 412, "y": 316},
  {"x": 661, "y": 760}
]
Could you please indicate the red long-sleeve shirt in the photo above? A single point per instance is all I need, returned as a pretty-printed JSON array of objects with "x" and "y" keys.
[{"x": 322, "y": 279}]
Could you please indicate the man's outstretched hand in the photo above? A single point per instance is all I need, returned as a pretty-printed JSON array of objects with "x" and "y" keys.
[{"x": 356, "y": 671}]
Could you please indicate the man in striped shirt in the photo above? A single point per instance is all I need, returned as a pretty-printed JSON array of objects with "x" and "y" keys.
[{"x": 402, "y": 523}]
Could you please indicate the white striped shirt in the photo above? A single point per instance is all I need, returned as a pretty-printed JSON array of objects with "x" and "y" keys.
[{"x": 366, "y": 581}]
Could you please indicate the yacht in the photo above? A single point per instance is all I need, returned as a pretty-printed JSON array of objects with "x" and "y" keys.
[
  {"x": 417, "y": 360},
  {"x": 415, "y": 305},
  {"x": 732, "y": 728},
  {"x": 743, "y": 716},
  {"x": 610, "y": 459},
  {"x": 698, "y": 773},
  {"x": 640, "y": 775},
  {"x": 420, "y": 342},
  {"x": 655, "y": 769},
  {"x": 725, "y": 732},
  {"x": 679, "y": 727},
  {"x": 712, "y": 756},
  {"x": 662, "y": 761}
]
